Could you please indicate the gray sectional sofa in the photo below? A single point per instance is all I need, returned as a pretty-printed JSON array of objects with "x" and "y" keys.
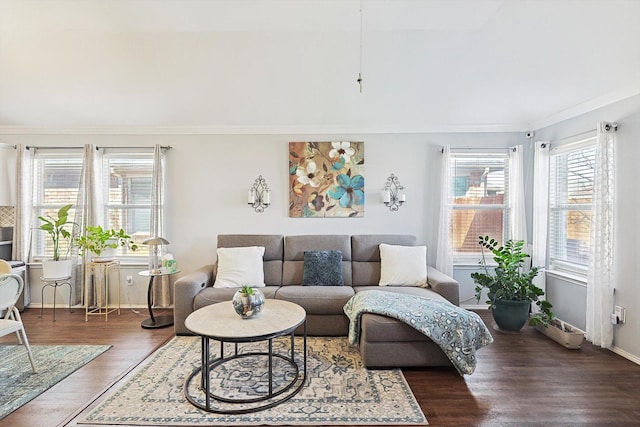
[{"x": 384, "y": 342}]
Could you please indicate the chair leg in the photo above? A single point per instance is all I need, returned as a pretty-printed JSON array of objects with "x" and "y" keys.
[{"x": 28, "y": 347}]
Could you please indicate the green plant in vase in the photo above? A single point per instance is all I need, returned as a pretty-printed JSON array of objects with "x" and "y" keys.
[
  {"x": 97, "y": 240},
  {"x": 57, "y": 228},
  {"x": 247, "y": 301},
  {"x": 510, "y": 286}
]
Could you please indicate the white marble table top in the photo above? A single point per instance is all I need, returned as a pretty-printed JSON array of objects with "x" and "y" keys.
[{"x": 221, "y": 322}]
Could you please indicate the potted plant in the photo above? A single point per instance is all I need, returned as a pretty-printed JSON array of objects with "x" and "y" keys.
[
  {"x": 103, "y": 242},
  {"x": 247, "y": 301},
  {"x": 60, "y": 230},
  {"x": 510, "y": 286}
]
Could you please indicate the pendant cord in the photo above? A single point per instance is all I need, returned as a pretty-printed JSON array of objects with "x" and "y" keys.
[{"x": 359, "y": 80}]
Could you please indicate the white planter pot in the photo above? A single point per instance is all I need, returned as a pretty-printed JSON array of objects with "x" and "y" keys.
[
  {"x": 55, "y": 269},
  {"x": 107, "y": 255},
  {"x": 571, "y": 337}
]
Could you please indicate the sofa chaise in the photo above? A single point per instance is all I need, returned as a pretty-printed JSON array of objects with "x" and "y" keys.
[{"x": 384, "y": 342}]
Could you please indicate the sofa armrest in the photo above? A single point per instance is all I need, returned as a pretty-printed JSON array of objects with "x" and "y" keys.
[
  {"x": 446, "y": 286},
  {"x": 184, "y": 291}
]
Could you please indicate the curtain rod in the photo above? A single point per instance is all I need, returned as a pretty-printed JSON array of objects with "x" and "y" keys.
[
  {"x": 5, "y": 145},
  {"x": 479, "y": 149},
  {"x": 29, "y": 147},
  {"x": 36, "y": 147},
  {"x": 608, "y": 127},
  {"x": 163, "y": 147}
]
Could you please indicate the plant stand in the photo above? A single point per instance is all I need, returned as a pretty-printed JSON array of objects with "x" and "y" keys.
[{"x": 563, "y": 333}]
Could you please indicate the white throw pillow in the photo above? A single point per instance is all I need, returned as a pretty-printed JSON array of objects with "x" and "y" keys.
[
  {"x": 240, "y": 266},
  {"x": 403, "y": 265}
]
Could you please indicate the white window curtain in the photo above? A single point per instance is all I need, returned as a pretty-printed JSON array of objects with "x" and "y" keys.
[
  {"x": 541, "y": 160},
  {"x": 24, "y": 204},
  {"x": 518, "y": 221},
  {"x": 444, "y": 256},
  {"x": 87, "y": 209},
  {"x": 162, "y": 289},
  {"x": 600, "y": 278}
]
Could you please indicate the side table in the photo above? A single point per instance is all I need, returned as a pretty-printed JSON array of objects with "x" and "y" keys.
[
  {"x": 154, "y": 322},
  {"x": 54, "y": 282},
  {"x": 100, "y": 272}
]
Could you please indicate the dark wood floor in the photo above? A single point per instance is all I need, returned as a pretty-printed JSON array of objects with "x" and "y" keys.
[{"x": 521, "y": 380}]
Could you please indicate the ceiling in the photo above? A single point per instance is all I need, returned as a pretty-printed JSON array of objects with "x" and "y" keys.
[{"x": 258, "y": 66}]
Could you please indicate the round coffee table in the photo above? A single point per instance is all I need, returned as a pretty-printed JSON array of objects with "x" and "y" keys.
[{"x": 220, "y": 322}]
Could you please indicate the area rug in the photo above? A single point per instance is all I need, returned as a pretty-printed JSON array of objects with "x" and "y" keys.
[
  {"x": 339, "y": 391},
  {"x": 18, "y": 383}
]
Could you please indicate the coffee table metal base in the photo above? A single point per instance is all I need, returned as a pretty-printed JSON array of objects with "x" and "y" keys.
[{"x": 271, "y": 398}]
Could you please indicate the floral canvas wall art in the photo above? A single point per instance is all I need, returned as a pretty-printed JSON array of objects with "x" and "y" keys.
[{"x": 326, "y": 179}]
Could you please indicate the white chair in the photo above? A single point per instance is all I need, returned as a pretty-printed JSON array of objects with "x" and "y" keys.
[{"x": 11, "y": 286}]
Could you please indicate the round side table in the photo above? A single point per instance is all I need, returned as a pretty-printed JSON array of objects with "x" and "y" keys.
[{"x": 154, "y": 322}]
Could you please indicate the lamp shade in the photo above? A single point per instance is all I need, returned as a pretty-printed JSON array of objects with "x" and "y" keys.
[
  {"x": 154, "y": 253},
  {"x": 155, "y": 241}
]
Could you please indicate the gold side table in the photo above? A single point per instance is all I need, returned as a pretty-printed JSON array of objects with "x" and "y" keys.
[{"x": 100, "y": 271}]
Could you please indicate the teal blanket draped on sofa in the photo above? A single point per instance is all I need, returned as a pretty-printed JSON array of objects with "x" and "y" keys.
[{"x": 457, "y": 331}]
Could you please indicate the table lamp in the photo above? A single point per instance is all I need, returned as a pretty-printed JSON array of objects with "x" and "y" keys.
[{"x": 155, "y": 258}]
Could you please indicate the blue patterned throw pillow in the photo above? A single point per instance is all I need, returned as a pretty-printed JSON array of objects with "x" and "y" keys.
[{"x": 322, "y": 268}]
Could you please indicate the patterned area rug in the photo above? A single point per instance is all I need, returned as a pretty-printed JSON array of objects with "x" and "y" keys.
[
  {"x": 340, "y": 391},
  {"x": 19, "y": 384}
]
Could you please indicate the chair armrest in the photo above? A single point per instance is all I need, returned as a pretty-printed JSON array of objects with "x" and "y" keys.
[
  {"x": 446, "y": 286},
  {"x": 184, "y": 291}
]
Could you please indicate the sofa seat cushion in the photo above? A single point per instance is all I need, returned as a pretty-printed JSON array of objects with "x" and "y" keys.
[
  {"x": 407, "y": 290},
  {"x": 377, "y": 328},
  {"x": 211, "y": 295},
  {"x": 317, "y": 299}
]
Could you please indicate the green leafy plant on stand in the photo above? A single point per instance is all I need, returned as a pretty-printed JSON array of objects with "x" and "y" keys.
[
  {"x": 96, "y": 240},
  {"x": 509, "y": 280},
  {"x": 58, "y": 230}
]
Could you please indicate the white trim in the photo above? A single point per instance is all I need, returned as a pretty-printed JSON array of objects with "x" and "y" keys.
[
  {"x": 259, "y": 130},
  {"x": 572, "y": 278},
  {"x": 475, "y": 307},
  {"x": 587, "y": 106},
  {"x": 617, "y": 350}
]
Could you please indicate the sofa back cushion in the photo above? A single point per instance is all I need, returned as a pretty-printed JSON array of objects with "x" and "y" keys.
[
  {"x": 295, "y": 246},
  {"x": 366, "y": 255},
  {"x": 273, "y": 252}
]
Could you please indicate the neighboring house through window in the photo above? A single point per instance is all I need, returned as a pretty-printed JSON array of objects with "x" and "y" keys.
[{"x": 479, "y": 201}]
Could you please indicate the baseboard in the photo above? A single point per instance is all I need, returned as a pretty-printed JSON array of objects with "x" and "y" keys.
[
  {"x": 475, "y": 306},
  {"x": 620, "y": 352}
]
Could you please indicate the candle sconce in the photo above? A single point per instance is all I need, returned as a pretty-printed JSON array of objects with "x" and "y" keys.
[
  {"x": 393, "y": 195},
  {"x": 259, "y": 195}
]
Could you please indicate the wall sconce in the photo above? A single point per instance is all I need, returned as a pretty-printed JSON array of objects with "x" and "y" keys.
[
  {"x": 155, "y": 257},
  {"x": 259, "y": 196},
  {"x": 393, "y": 195}
]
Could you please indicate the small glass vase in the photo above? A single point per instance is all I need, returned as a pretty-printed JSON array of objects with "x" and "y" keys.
[{"x": 247, "y": 306}]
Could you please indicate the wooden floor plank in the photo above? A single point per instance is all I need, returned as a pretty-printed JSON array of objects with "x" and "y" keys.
[{"x": 521, "y": 380}]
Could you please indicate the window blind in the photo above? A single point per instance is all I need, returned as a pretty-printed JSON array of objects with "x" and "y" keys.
[{"x": 570, "y": 202}]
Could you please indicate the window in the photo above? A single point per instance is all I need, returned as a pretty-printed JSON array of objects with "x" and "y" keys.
[
  {"x": 479, "y": 191},
  {"x": 571, "y": 181},
  {"x": 56, "y": 180},
  {"x": 127, "y": 180}
]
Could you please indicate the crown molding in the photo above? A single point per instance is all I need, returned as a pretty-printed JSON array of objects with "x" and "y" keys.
[
  {"x": 258, "y": 130},
  {"x": 588, "y": 106}
]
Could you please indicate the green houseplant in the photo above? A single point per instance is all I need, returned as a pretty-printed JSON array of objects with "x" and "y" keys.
[
  {"x": 60, "y": 230},
  {"x": 510, "y": 286},
  {"x": 98, "y": 240},
  {"x": 247, "y": 302}
]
